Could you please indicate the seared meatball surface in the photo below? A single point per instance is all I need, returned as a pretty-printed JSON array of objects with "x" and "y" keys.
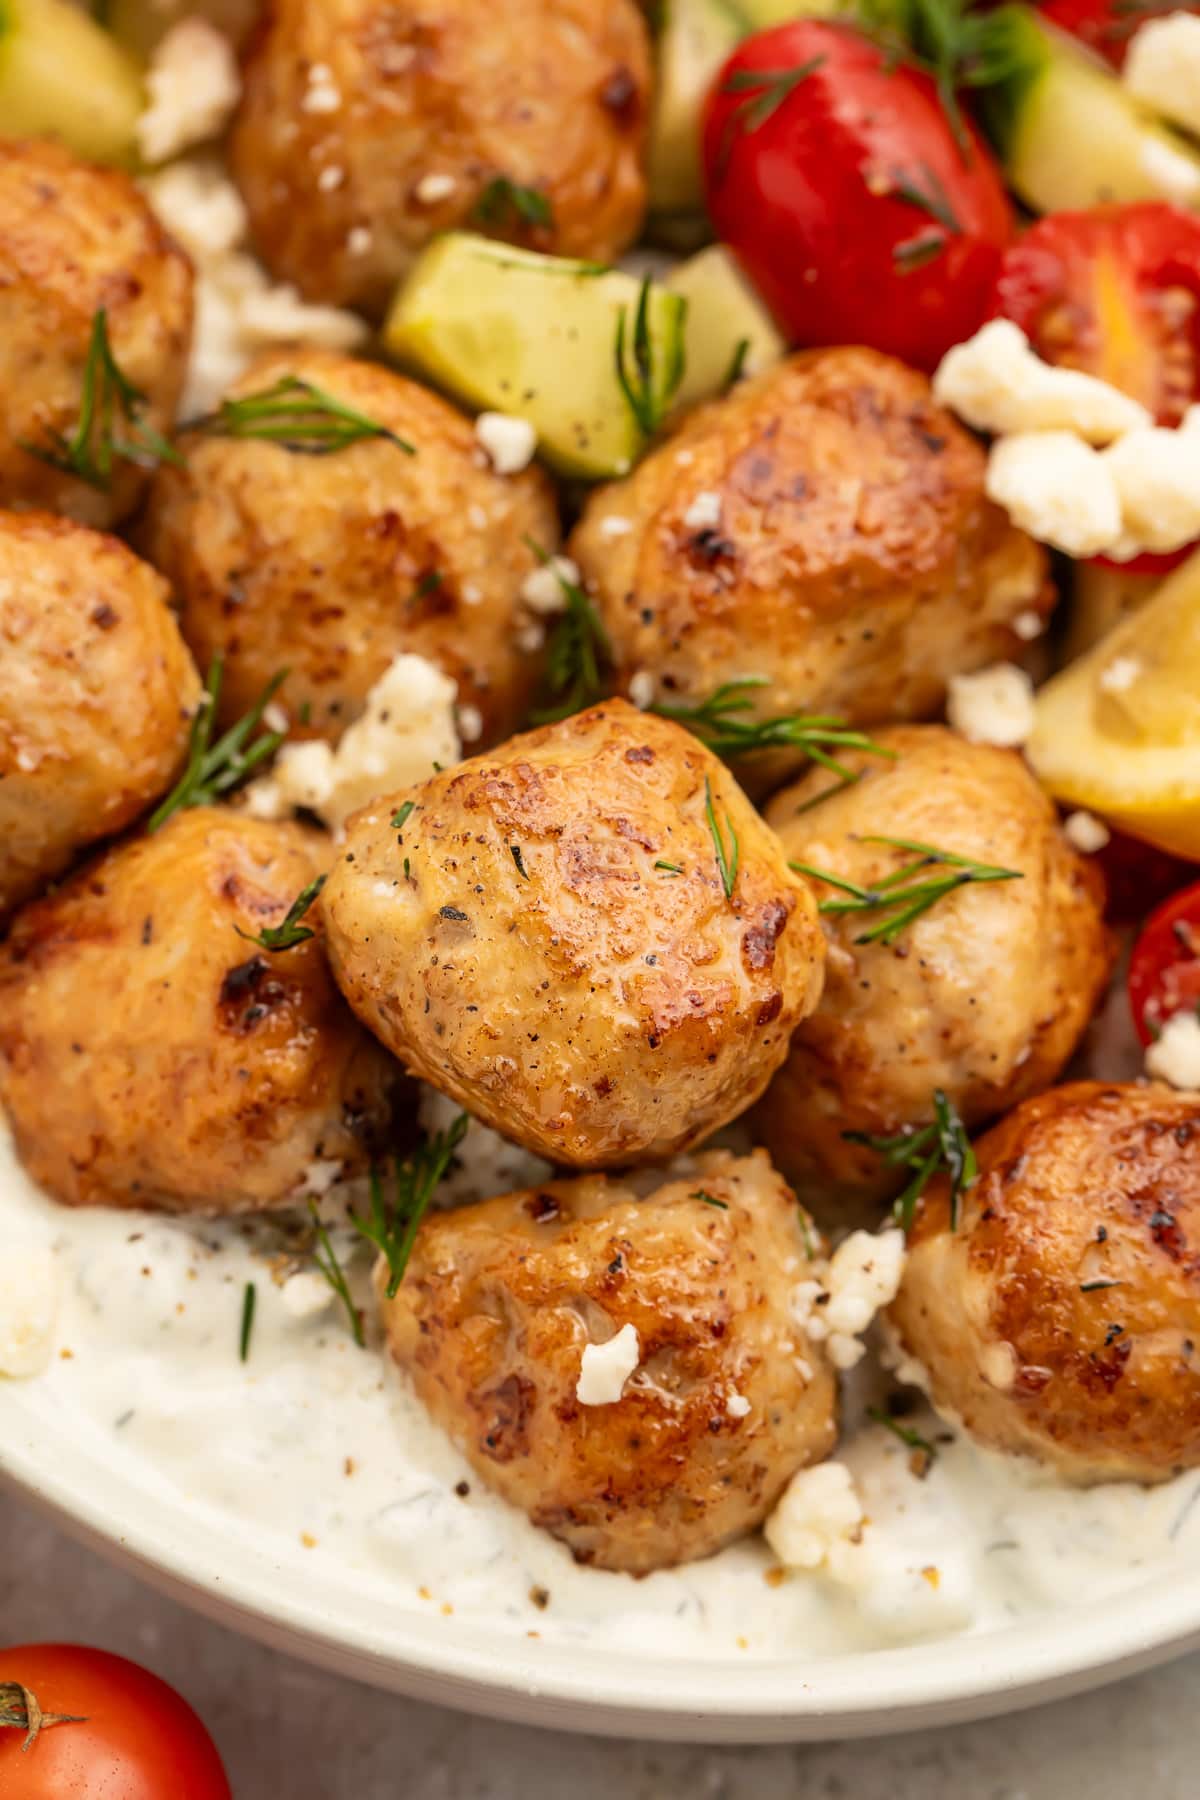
[
  {"x": 1062, "y": 1317},
  {"x": 74, "y": 239},
  {"x": 728, "y": 1399},
  {"x": 985, "y": 995},
  {"x": 547, "y": 937},
  {"x": 152, "y": 1056},
  {"x": 368, "y": 126},
  {"x": 332, "y": 565},
  {"x": 823, "y": 527},
  {"x": 96, "y": 694}
]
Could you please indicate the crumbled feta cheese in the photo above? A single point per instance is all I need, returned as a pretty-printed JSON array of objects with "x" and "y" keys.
[
  {"x": 615, "y": 526},
  {"x": 1157, "y": 478},
  {"x": 704, "y": 513},
  {"x": 330, "y": 178},
  {"x": 1086, "y": 832},
  {"x": 29, "y": 1293},
  {"x": 1118, "y": 675},
  {"x": 992, "y": 706},
  {"x": 737, "y": 1406},
  {"x": 192, "y": 87},
  {"x": 359, "y": 239},
  {"x": 510, "y": 442},
  {"x": 542, "y": 589},
  {"x": 642, "y": 688},
  {"x": 470, "y": 724},
  {"x": 305, "y": 1294},
  {"x": 530, "y": 637},
  {"x": 432, "y": 188},
  {"x": 321, "y": 94},
  {"x": 998, "y": 1364},
  {"x": 277, "y": 315},
  {"x": 998, "y": 384},
  {"x": 199, "y": 206},
  {"x": 820, "y": 1509},
  {"x": 1175, "y": 1056},
  {"x": 406, "y": 727},
  {"x": 322, "y": 1174},
  {"x": 838, "y": 1305},
  {"x": 1029, "y": 626},
  {"x": 1057, "y": 488},
  {"x": 606, "y": 1368},
  {"x": 1162, "y": 68}
]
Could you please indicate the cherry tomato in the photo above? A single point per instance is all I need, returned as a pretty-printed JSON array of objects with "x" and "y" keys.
[
  {"x": 1137, "y": 877},
  {"x": 1115, "y": 291},
  {"x": 131, "y": 1738},
  {"x": 1106, "y": 26},
  {"x": 836, "y": 178},
  {"x": 1164, "y": 972}
]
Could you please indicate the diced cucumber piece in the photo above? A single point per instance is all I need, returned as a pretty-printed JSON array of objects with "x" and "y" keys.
[
  {"x": 695, "y": 39},
  {"x": 728, "y": 328},
  {"x": 590, "y": 356},
  {"x": 1071, "y": 135},
  {"x": 62, "y": 76}
]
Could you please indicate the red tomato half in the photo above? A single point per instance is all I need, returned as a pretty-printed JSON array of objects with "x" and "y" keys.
[
  {"x": 1164, "y": 973},
  {"x": 1114, "y": 291},
  {"x": 837, "y": 181},
  {"x": 1106, "y": 26},
  {"x": 134, "y": 1739}
]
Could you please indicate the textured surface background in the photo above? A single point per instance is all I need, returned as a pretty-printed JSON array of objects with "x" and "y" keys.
[{"x": 289, "y": 1733}]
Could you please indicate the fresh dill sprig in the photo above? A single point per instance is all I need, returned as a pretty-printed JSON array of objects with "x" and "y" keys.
[
  {"x": 899, "y": 903},
  {"x": 298, "y": 416},
  {"x": 402, "y": 814},
  {"x": 109, "y": 427},
  {"x": 326, "y": 1259},
  {"x": 249, "y": 1299},
  {"x": 648, "y": 387},
  {"x": 727, "y": 855},
  {"x": 579, "y": 655},
  {"x": 708, "y": 1199},
  {"x": 216, "y": 769},
  {"x": 722, "y": 723},
  {"x": 764, "y": 91},
  {"x": 392, "y": 1225},
  {"x": 944, "y": 1144},
  {"x": 289, "y": 932},
  {"x": 669, "y": 868},
  {"x": 504, "y": 200},
  {"x": 911, "y": 1439}
]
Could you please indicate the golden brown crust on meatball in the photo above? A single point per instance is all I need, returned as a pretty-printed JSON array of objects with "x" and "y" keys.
[
  {"x": 329, "y": 565},
  {"x": 548, "y": 939},
  {"x": 1062, "y": 1317},
  {"x": 368, "y": 126},
  {"x": 96, "y": 691},
  {"x": 500, "y": 1299},
  {"x": 75, "y": 238},
  {"x": 985, "y": 995},
  {"x": 823, "y": 526},
  {"x": 151, "y": 1056}
]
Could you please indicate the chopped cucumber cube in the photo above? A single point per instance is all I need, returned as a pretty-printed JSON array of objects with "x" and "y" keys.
[{"x": 62, "y": 76}]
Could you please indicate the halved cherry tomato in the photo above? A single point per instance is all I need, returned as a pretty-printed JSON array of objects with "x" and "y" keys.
[
  {"x": 1106, "y": 26},
  {"x": 1164, "y": 972},
  {"x": 1115, "y": 291},
  {"x": 838, "y": 181},
  {"x": 1138, "y": 877},
  {"x": 126, "y": 1735}
]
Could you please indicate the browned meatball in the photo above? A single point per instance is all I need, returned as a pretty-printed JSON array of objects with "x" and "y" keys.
[
  {"x": 1062, "y": 1316},
  {"x": 367, "y": 126},
  {"x": 151, "y": 1056},
  {"x": 75, "y": 239},
  {"x": 96, "y": 693},
  {"x": 728, "y": 1399},
  {"x": 984, "y": 995},
  {"x": 823, "y": 527},
  {"x": 548, "y": 937},
  {"x": 332, "y": 565}
]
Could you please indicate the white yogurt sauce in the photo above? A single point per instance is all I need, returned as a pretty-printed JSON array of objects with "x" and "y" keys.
[{"x": 313, "y": 1442}]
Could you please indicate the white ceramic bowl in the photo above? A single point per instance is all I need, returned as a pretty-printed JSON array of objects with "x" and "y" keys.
[{"x": 242, "y": 1583}]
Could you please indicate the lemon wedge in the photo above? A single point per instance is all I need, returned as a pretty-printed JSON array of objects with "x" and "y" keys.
[{"x": 1118, "y": 731}]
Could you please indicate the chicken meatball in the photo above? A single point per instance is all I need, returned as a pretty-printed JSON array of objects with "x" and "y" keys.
[
  {"x": 985, "y": 994},
  {"x": 331, "y": 566},
  {"x": 704, "y": 1395},
  {"x": 96, "y": 691},
  {"x": 824, "y": 529},
  {"x": 367, "y": 126},
  {"x": 588, "y": 938},
  {"x": 1061, "y": 1318},
  {"x": 74, "y": 241},
  {"x": 152, "y": 1055}
]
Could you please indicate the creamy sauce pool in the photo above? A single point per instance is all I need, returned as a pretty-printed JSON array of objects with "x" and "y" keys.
[{"x": 317, "y": 1448}]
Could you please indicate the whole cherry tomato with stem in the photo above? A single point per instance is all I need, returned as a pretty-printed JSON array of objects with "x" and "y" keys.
[
  {"x": 81, "y": 1724},
  {"x": 861, "y": 210}
]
